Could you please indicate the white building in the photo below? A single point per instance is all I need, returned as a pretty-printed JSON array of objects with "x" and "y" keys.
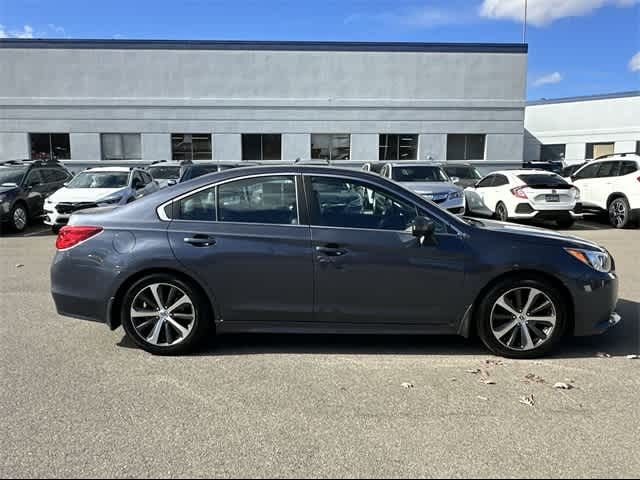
[
  {"x": 138, "y": 101},
  {"x": 579, "y": 128}
]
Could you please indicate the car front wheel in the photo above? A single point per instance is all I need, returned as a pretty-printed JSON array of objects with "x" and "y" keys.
[
  {"x": 521, "y": 318},
  {"x": 165, "y": 315}
]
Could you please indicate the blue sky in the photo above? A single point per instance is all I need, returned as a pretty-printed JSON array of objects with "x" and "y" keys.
[{"x": 577, "y": 47}]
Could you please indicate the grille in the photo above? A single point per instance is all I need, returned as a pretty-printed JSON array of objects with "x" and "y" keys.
[{"x": 66, "y": 208}]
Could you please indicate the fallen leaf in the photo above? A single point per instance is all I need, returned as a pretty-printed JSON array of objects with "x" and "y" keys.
[
  {"x": 407, "y": 385},
  {"x": 529, "y": 401},
  {"x": 563, "y": 386},
  {"x": 487, "y": 381},
  {"x": 19, "y": 265},
  {"x": 603, "y": 355},
  {"x": 633, "y": 357},
  {"x": 532, "y": 377},
  {"x": 494, "y": 362},
  {"x": 475, "y": 371},
  {"x": 484, "y": 399}
]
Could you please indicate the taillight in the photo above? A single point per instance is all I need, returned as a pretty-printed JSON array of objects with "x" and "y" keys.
[
  {"x": 577, "y": 190},
  {"x": 519, "y": 192},
  {"x": 72, "y": 235}
]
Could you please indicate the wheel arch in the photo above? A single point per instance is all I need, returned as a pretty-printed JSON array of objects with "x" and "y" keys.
[
  {"x": 115, "y": 306},
  {"x": 529, "y": 274},
  {"x": 614, "y": 196}
]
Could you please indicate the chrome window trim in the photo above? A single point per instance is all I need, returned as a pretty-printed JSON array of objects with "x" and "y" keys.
[
  {"x": 160, "y": 210},
  {"x": 407, "y": 199}
]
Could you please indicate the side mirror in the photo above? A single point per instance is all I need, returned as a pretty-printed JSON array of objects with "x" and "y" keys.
[
  {"x": 172, "y": 182},
  {"x": 423, "y": 229}
]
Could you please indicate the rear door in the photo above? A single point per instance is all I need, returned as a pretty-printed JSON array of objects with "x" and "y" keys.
[
  {"x": 36, "y": 192},
  {"x": 584, "y": 179},
  {"x": 247, "y": 240},
  {"x": 603, "y": 184}
]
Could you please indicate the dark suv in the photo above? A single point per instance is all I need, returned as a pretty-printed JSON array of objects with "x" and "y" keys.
[{"x": 24, "y": 185}]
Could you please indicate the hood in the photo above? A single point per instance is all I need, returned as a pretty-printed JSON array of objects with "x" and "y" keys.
[
  {"x": 537, "y": 234},
  {"x": 8, "y": 190},
  {"x": 76, "y": 195},
  {"x": 466, "y": 182},
  {"x": 431, "y": 187}
]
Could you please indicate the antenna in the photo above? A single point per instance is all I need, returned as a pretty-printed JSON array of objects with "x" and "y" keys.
[{"x": 524, "y": 26}]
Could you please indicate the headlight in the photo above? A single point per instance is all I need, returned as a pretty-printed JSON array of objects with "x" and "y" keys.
[
  {"x": 600, "y": 261},
  {"x": 111, "y": 200},
  {"x": 454, "y": 195},
  {"x": 577, "y": 192}
]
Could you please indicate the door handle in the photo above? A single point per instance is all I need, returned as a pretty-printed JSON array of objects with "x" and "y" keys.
[
  {"x": 200, "y": 241},
  {"x": 331, "y": 250}
]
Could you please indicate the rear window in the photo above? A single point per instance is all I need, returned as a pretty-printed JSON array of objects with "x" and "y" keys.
[
  {"x": 628, "y": 167},
  {"x": 538, "y": 180}
]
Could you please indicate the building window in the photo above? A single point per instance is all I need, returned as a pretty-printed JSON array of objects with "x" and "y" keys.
[
  {"x": 398, "y": 147},
  {"x": 330, "y": 147},
  {"x": 261, "y": 146},
  {"x": 50, "y": 146},
  {"x": 191, "y": 146},
  {"x": 550, "y": 153},
  {"x": 596, "y": 150},
  {"x": 465, "y": 146},
  {"x": 121, "y": 146}
]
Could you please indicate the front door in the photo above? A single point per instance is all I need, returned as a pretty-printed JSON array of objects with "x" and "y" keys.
[
  {"x": 244, "y": 240},
  {"x": 369, "y": 267}
]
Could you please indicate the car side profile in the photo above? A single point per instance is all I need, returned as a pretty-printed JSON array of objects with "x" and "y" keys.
[
  {"x": 299, "y": 249},
  {"x": 525, "y": 195},
  {"x": 611, "y": 184},
  {"x": 24, "y": 186},
  {"x": 97, "y": 187}
]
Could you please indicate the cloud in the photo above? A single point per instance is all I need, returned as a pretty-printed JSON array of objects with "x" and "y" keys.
[
  {"x": 26, "y": 32},
  {"x": 634, "y": 63},
  {"x": 544, "y": 12},
  {"x": 555, "y": 77},
  {"x": 425, "y": 17},
  {"x": 56, "y": 30}
]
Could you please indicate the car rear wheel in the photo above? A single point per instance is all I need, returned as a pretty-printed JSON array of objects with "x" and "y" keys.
[
  {"x": 19, "y": 217},
  {"x": 502, "y": 213},
  {"x": 521, "y": 318},
  {"x": 165, "y": 315},
  {"x": 619, "y": 213}
]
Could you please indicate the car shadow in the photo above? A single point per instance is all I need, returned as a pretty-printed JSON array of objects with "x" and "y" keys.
[{"x": 622, "y": 340}]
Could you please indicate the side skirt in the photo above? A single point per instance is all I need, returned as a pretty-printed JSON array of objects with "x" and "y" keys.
[{"x": 341, "y": 328}]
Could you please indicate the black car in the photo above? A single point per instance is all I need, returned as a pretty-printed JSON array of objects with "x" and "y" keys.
[
  {"x": 550, "y": 166},
  {"x": 298, "y": 249},
  {"x": 191, "y": 170},
  {"x": 463, "y": 175},
  {"x": 24, "y": 185}
]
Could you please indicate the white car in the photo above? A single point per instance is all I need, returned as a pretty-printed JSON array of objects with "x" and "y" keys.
[
  {"x": 525, "y": 195},
  {"x": 428, "y": 181},
  {"x": 97, "y": 187},
  {"x": 611, "y": 184}
]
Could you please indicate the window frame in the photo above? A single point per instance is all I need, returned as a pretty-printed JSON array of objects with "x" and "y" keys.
[
  {"x": 466, "y": 146},
  {"x": 261, "y": 135},
  {"x": 192, "y": 151},
  {"x": 301, "y": 204},
  {"x": 121, "y": 136},
  {"x": 51, "y": 150},
  {"x": 331, "y": 136},
  {"x": 397, "y": 158},
  {"x": 552, "y": 146}
]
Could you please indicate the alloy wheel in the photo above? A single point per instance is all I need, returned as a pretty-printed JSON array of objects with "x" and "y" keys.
[
  {"x": 20, "y": 218},
  {"x": 162, "y": 314},
  {"x": 523, "y": 319},
  {"x": 618, "y": 213},
  {"x": 502, "y": 213}
]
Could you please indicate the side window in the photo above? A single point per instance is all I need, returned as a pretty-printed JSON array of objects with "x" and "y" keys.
[
  {"x": 587, "y": 172},
  {"x": 608, "y": 169},
  {"x": 486, "y": 182},
  {"x": 500, "y": 180},
  {"x": 146, "y": 177},
  {"x": 348, "y": 203},
  {"x": 199, "y": 207},
  {"x": 138, "y": 181},
  {"x": 628, "y": 167},
  {"x": 34, "y": 178},
  {"x": 259, "y": 200}
]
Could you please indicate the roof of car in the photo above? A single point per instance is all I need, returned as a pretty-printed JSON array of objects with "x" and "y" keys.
[
  {"x": 524, "y": 171},
  {"x": 617, "y": 157},
  {"x": 109, "y": 169},
  {"x": 414, "y": 164}
]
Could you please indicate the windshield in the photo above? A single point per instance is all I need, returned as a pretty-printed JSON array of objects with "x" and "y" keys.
[
  {"x": 463, "y": 172},
  {"x": 542, "y": 180},
  {"x": 12, "y": 175},
  {"x": 419, "y": 174},
  {"x": 100, "y": 180},
  {"x": 165, "y": 173}
]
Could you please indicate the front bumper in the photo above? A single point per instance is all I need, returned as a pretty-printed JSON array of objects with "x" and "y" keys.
[
  {"x": 594, "y": 304},
  {"x": 455, "y": 205},
  {"x": 53, "y": 218}
]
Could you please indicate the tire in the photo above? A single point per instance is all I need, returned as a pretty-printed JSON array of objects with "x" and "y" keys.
[
  {"x": 19, "y": 217},
  {"x": 565, "y": 222},
  {"x": 619, "y": 213},
  {"x": 542, "y": 336},
  {"x": 502, "y": 213},
  {"x": 165, "y": 333},
  {"x": 55, "y": 229}
]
